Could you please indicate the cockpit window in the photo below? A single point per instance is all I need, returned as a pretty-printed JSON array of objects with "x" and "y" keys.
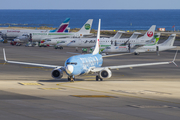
[
  {"x": 71, "y": 63},
  {"x": 108, "y": 48},
  {"x": 49, "y": 40}
]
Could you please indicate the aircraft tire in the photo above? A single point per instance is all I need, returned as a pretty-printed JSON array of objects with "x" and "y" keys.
[{"x": 97, "y": 78}]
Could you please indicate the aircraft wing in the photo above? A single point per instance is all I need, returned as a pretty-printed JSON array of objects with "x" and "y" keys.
[
  {"x": 127, "y": 66},
  {"x": 132, "y": 65},
  {"x": 32, "y": 64}
]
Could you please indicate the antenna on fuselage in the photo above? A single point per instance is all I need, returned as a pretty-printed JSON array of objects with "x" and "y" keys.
[{"x": 96, "y": 50}]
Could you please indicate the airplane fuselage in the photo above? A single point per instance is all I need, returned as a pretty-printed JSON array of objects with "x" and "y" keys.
[
  {"x": 11, "y": 34},
  {"x": 89, "y": 42},
  {"x": 81, "y": 64},
  {"x": 37, "y": 37}
]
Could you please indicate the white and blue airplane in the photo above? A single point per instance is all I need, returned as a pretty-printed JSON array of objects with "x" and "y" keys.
[{"x": 85, "y": 64}]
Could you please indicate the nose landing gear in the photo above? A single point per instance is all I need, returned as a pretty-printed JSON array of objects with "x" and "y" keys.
[{"x": 71, "y": 78}]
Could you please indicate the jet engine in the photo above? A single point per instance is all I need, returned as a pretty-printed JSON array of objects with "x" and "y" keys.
[
  {"x": 57, "y": 73},
  {"x": 106, "y": 73}
]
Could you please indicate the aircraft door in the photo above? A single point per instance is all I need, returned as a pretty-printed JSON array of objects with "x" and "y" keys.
[
  {"x": 30, "y": 37},
  {"x": 115, "y": 44},
  {"x": 111, "y": 42}
]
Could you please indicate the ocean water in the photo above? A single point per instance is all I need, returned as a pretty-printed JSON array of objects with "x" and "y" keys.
[{"x": 110, "y": 19}]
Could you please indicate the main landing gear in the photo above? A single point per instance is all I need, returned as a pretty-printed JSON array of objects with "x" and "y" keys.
[
  {"x": 71, "y": 78},
  {"x": 98, "y": 78}
]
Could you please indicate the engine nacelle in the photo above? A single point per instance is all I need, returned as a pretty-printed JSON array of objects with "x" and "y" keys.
[
  {"x": 57, "y": 73},
  {"x": 106, "y": 73}
]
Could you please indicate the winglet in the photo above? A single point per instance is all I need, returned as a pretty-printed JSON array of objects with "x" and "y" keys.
[
  {"x": 175, "y": 59},
  {"x": 4, "y": 55}
]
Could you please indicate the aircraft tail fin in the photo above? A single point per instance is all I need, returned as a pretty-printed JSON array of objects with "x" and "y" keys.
[
  {"x": 154, "y": 40},
  {"x": 135, "y": 35},
  {"x": 63, "y": 26},
  {"x": 86, "y": 27},
  {"x": 118, "y": 34},
  {"x": 96, "y": 50},
  {"x": 169, "y": 41},
  {"x": 150, "y": 33}
]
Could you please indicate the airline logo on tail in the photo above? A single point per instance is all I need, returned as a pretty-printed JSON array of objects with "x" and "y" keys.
[
  {"x": 87, "y": 26},
  {"x": 150, "y": 33},
  {"x": 64, "y": 25},
  {"x": 62, "y": 28}
]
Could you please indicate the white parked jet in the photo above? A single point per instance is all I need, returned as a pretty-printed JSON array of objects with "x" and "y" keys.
[
  {"x": 11, "y": 33},
  {"x": 166, "y": 45},
  {"x": 85, "y": 30},
  {"x": 87, "y": 42},
  {"x": 87, "y": 63}
]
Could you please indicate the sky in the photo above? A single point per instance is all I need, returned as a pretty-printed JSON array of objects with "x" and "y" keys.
[{"x": 90, "y": 4}]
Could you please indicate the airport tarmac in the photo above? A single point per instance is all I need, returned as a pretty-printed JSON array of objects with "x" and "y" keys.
[{"x": 143, "y": 93}]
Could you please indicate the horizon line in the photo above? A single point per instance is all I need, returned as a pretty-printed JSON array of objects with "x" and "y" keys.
[{"x": 89, "y": 9}]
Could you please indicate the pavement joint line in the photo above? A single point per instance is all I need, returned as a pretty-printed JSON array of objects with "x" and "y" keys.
[
  {"x": 30, "y": 83},
  {"x": 121, "y": 94},
  {"x": 93, "y": 96},
  {"x": 52, "y": 88}
]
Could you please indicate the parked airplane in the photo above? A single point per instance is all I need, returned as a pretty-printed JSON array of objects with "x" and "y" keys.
[
  {"x": 166, "y": 45},
  {"x": 126, "y": 47},
  {"x": 87, "y": 42},
  {"x": 133, "y": 40},
  {"x": 84, "y": 42},
  {"x": 85, "y": 30},
  {"x": 84, "y": 64},
  {"x": 11, "y": 33}
]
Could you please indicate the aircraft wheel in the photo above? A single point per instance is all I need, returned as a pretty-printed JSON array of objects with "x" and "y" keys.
[
  {"x": 97, "y": 78},
  {"x": 136, "y": 53},
  {"x": 71, "y": 78},
  {"x": 101, "y": 79}
]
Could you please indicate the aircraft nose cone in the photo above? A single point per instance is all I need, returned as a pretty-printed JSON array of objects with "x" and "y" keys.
[{"x": 69, "y": 69}]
